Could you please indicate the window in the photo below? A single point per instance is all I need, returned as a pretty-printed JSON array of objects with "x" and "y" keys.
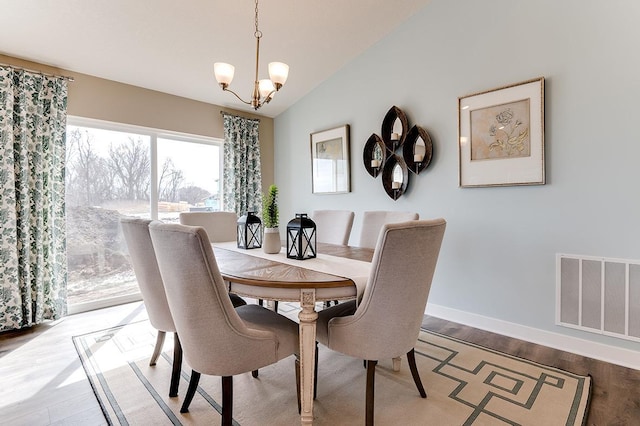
[
  {"x": 117, "y": 170},
  {"x": 188, "y": 178}
]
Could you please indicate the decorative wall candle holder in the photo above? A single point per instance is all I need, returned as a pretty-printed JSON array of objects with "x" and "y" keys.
[
  {"x": 374, "y": 155},
  {"x": 417, "y": 149},
  {"x": 395, "y": 177},
  {"x": 380, "y": 156}
]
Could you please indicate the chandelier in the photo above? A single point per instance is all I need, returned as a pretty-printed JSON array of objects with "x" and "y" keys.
[{"x": 263, "y": 90}]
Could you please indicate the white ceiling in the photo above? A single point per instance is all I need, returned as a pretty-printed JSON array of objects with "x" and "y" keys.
[{"x": 171, "y": 45}]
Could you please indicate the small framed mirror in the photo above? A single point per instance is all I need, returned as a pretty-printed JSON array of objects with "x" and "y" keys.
[
  {"x": 395, "y": 177},
  {"x": 394, "y": 128},
  {"x": 374, "y": 155},
  {"x": 417, "y": 150}
]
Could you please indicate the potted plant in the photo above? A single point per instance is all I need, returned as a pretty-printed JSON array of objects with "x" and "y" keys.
[{"x": 271, "y": 242}]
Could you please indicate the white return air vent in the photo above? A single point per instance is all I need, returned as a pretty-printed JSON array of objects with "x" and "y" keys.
[{"x": 598, "y": 295}]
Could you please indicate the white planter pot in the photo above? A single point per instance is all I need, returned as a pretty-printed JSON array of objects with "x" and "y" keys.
[{"x": 271, "y": 242}]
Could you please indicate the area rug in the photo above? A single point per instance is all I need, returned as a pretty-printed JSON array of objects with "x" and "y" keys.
[{"x": 466, "y": 385}]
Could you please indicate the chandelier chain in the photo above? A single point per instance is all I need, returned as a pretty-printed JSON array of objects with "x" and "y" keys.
[{"x": 258, "y": 33}]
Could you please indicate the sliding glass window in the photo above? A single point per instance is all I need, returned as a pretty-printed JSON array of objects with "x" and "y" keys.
[{"x": 116, "y": 170}]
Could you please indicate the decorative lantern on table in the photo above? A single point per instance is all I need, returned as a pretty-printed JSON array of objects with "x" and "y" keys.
[
  {"x": 249, "y": 231},
  {"x": 301, "y": 237}
]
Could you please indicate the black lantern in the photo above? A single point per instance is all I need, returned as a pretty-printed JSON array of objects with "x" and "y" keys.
[
  {"x": 249, "y": 231},
  {"x": 301, "y": 238}
]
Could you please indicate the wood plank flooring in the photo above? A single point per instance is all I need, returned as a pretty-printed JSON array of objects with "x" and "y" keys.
[{"x": 42, "y": 381}]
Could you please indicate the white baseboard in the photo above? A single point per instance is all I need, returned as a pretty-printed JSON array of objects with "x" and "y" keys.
[
  {"x": 612, "y": 354},
  {"x": 103, "y": 303}
]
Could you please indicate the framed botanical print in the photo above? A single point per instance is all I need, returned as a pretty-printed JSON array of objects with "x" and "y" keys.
[
  {"x": 501, "y": 136},
  {"x": 330, "y": 161}
]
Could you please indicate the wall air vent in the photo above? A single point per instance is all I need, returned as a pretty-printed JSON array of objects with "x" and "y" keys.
[{"x": 598, "y": 295}]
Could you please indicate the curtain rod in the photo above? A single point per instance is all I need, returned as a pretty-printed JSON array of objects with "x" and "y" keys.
[
  {"x": 37, "y": 72},
  {"x": 234, "y": 115}
]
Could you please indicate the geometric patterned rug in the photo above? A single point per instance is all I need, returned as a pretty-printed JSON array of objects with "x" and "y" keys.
[{"x": 466, "y": 385}]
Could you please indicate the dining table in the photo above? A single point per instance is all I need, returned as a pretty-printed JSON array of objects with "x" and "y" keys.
[{"x": 336, "y": 273}]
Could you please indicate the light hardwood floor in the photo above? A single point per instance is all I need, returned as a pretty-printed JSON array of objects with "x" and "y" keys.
[{"x": 42, "y": 381}]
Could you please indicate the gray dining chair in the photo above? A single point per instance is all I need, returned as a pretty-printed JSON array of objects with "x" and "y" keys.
[
  {"x": 145, "y": 267},
  {"x": 372, "y": 222},
  {"x": 220, "y": 226},
  {"x": 216, "y": 339},
  {"x": 333, "y": 226},
  {"x": 386, "y": 323}
]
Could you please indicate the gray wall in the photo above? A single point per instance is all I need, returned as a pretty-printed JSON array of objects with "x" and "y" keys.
[{"x": 498, "y": 257}]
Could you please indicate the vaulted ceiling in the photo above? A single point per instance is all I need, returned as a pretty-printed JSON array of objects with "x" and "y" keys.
[{"x": 170, "y": 45}]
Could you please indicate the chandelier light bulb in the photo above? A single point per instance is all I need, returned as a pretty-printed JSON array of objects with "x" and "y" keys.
[
  {"x": 223, "y": 72},
  {"x": 278, "y": 72},
  {"x": 266, "y": 88}
]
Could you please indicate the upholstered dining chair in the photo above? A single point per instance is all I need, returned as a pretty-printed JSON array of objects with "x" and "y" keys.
[
  {"x": 145, "y": 267},
  {"x": 372, "y": 222},
  {"x": 333, "y": 226},
  {"x": 216, "y": 338},
  {"x": 393, "y": 304},
  {"x": 220, "y": 226}
]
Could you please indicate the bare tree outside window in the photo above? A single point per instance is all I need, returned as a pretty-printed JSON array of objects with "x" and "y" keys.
[
  {"x": 169, "y": 181},
  {"x": 88, "y": 179},
  {"x": 131, "y": 167},
  {"x": 108, "y": 176}
]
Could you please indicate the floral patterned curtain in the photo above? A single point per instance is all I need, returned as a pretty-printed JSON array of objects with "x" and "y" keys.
[
  {"x": 33, "y": 264},
  {"x": 242, "y": 178}
]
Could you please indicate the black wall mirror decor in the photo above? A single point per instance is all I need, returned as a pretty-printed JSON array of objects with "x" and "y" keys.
[
  {"x": 396, "y": 152},
  {"x": 374, "y": 155}
]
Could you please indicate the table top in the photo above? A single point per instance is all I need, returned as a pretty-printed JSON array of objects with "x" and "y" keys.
[{"x": 246, "y": 269}]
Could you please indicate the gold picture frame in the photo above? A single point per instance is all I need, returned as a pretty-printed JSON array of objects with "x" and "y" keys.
[
  {"x": 330, "y": 168},
  {"x": 501, "y": 136}
]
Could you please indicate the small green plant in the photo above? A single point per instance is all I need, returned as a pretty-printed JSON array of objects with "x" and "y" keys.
[{"x": 270, "y": 208}]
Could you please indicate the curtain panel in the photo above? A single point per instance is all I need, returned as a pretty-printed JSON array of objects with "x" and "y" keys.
[
  {"x": 33, "y": 264},
  {"x": 242, "y": 177}
]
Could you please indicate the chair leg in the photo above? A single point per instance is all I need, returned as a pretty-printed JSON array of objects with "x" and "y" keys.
[
  {"x": 191, "y": 391},
  {"x": 275, "y": 304},
  {"x": 227, "y": 400},
  {"x": 371, "y": 375},
  {"x": 411, "y": 356},
  {"x": 315, "y": 375},
  {"x": 298, "y": 383},
  {"x": 236, "y": 300},
  {"x": 158, "y": 349},
  {"x": 177, "y": 366}
]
